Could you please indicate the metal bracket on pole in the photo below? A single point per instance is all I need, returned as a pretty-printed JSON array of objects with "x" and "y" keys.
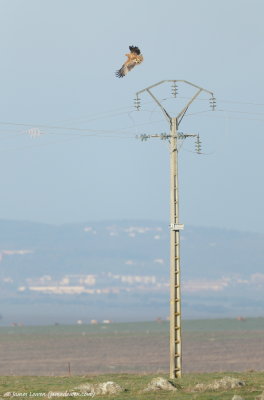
[{"x": 177, "y": 227}]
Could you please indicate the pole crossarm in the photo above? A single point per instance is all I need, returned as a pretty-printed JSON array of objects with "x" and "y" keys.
[
  {"x": 183, "y": 111},
  {"x": 175, "y": 80},
  {"x": 165, "y": 136},
  {"x": 181, "y": 114},
  {"x": 167, "y": 116}
]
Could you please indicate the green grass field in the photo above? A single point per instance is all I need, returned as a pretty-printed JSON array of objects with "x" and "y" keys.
[
  {"x": 31, "y": 387},
  {"x": 229, "y": 338},
  {"x": 206, "y": 325}
]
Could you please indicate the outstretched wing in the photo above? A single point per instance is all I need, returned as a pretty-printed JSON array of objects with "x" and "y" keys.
[
  {"x": 126, "y": 67},
  {"x": 134, "y": 49}
]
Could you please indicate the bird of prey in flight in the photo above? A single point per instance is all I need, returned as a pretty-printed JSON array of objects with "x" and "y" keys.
[{"x": 133, "y": 58}]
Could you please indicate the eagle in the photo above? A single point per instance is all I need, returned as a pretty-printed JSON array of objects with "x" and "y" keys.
[{"x": 133, "y": 58}]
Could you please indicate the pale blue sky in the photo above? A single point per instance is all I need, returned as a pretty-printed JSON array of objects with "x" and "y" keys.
[{"x": 58, "y": 59}]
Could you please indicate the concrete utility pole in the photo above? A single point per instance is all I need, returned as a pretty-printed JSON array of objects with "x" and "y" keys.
[{"x": 175, "y": 226}]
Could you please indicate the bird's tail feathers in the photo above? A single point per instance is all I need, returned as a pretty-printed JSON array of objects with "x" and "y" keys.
[{"x": 120, "y": 73}]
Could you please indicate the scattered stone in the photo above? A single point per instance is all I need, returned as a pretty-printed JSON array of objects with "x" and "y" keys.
[
  {"x": 7, "y": 394},
  {"x": 225, "y": 383},
  {"x": 260, "y": 397},
  {"x": 99, "y": 388},
  {"x": 159, "y": 383},
  {"x": 237, "y": 397}
]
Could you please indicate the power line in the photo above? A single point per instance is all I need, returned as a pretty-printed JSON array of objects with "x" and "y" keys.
[
  {"x": 241, "y": 112},
  {"x": 219, "y": 100},
  {"x": 127, "y": 110},
  {"x": 228, "y": 116}
]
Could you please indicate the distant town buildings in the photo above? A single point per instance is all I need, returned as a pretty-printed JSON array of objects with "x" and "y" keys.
[{"x": 13, "y": 252}]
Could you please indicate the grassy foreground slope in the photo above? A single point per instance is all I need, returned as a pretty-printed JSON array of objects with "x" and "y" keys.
[{"x": 32, "y": 387}]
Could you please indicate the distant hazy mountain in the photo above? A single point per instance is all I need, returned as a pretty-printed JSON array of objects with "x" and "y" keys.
[{"x": 120, "y": 270}]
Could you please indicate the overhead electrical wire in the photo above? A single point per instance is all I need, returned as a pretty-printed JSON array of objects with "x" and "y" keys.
[{"x": 125, "y": 131}]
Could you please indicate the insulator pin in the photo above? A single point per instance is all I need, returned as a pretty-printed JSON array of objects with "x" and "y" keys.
[
  {"x": 137, "y": 103},
  {"x": 212, "y": 103},
  {"x": 198, "y": 145},
  {"x": 143, "y": 138},
  {"x": 174, "y": 89},
  {"x": 34, "y": 132}
]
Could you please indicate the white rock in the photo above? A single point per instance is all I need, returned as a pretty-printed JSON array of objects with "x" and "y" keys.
[
  {"x": 159, "y": 383},
  {"x": 260, "y": 397},
  {"x": 99, "y": 388},
  {"x": 225, "y": 383}
]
